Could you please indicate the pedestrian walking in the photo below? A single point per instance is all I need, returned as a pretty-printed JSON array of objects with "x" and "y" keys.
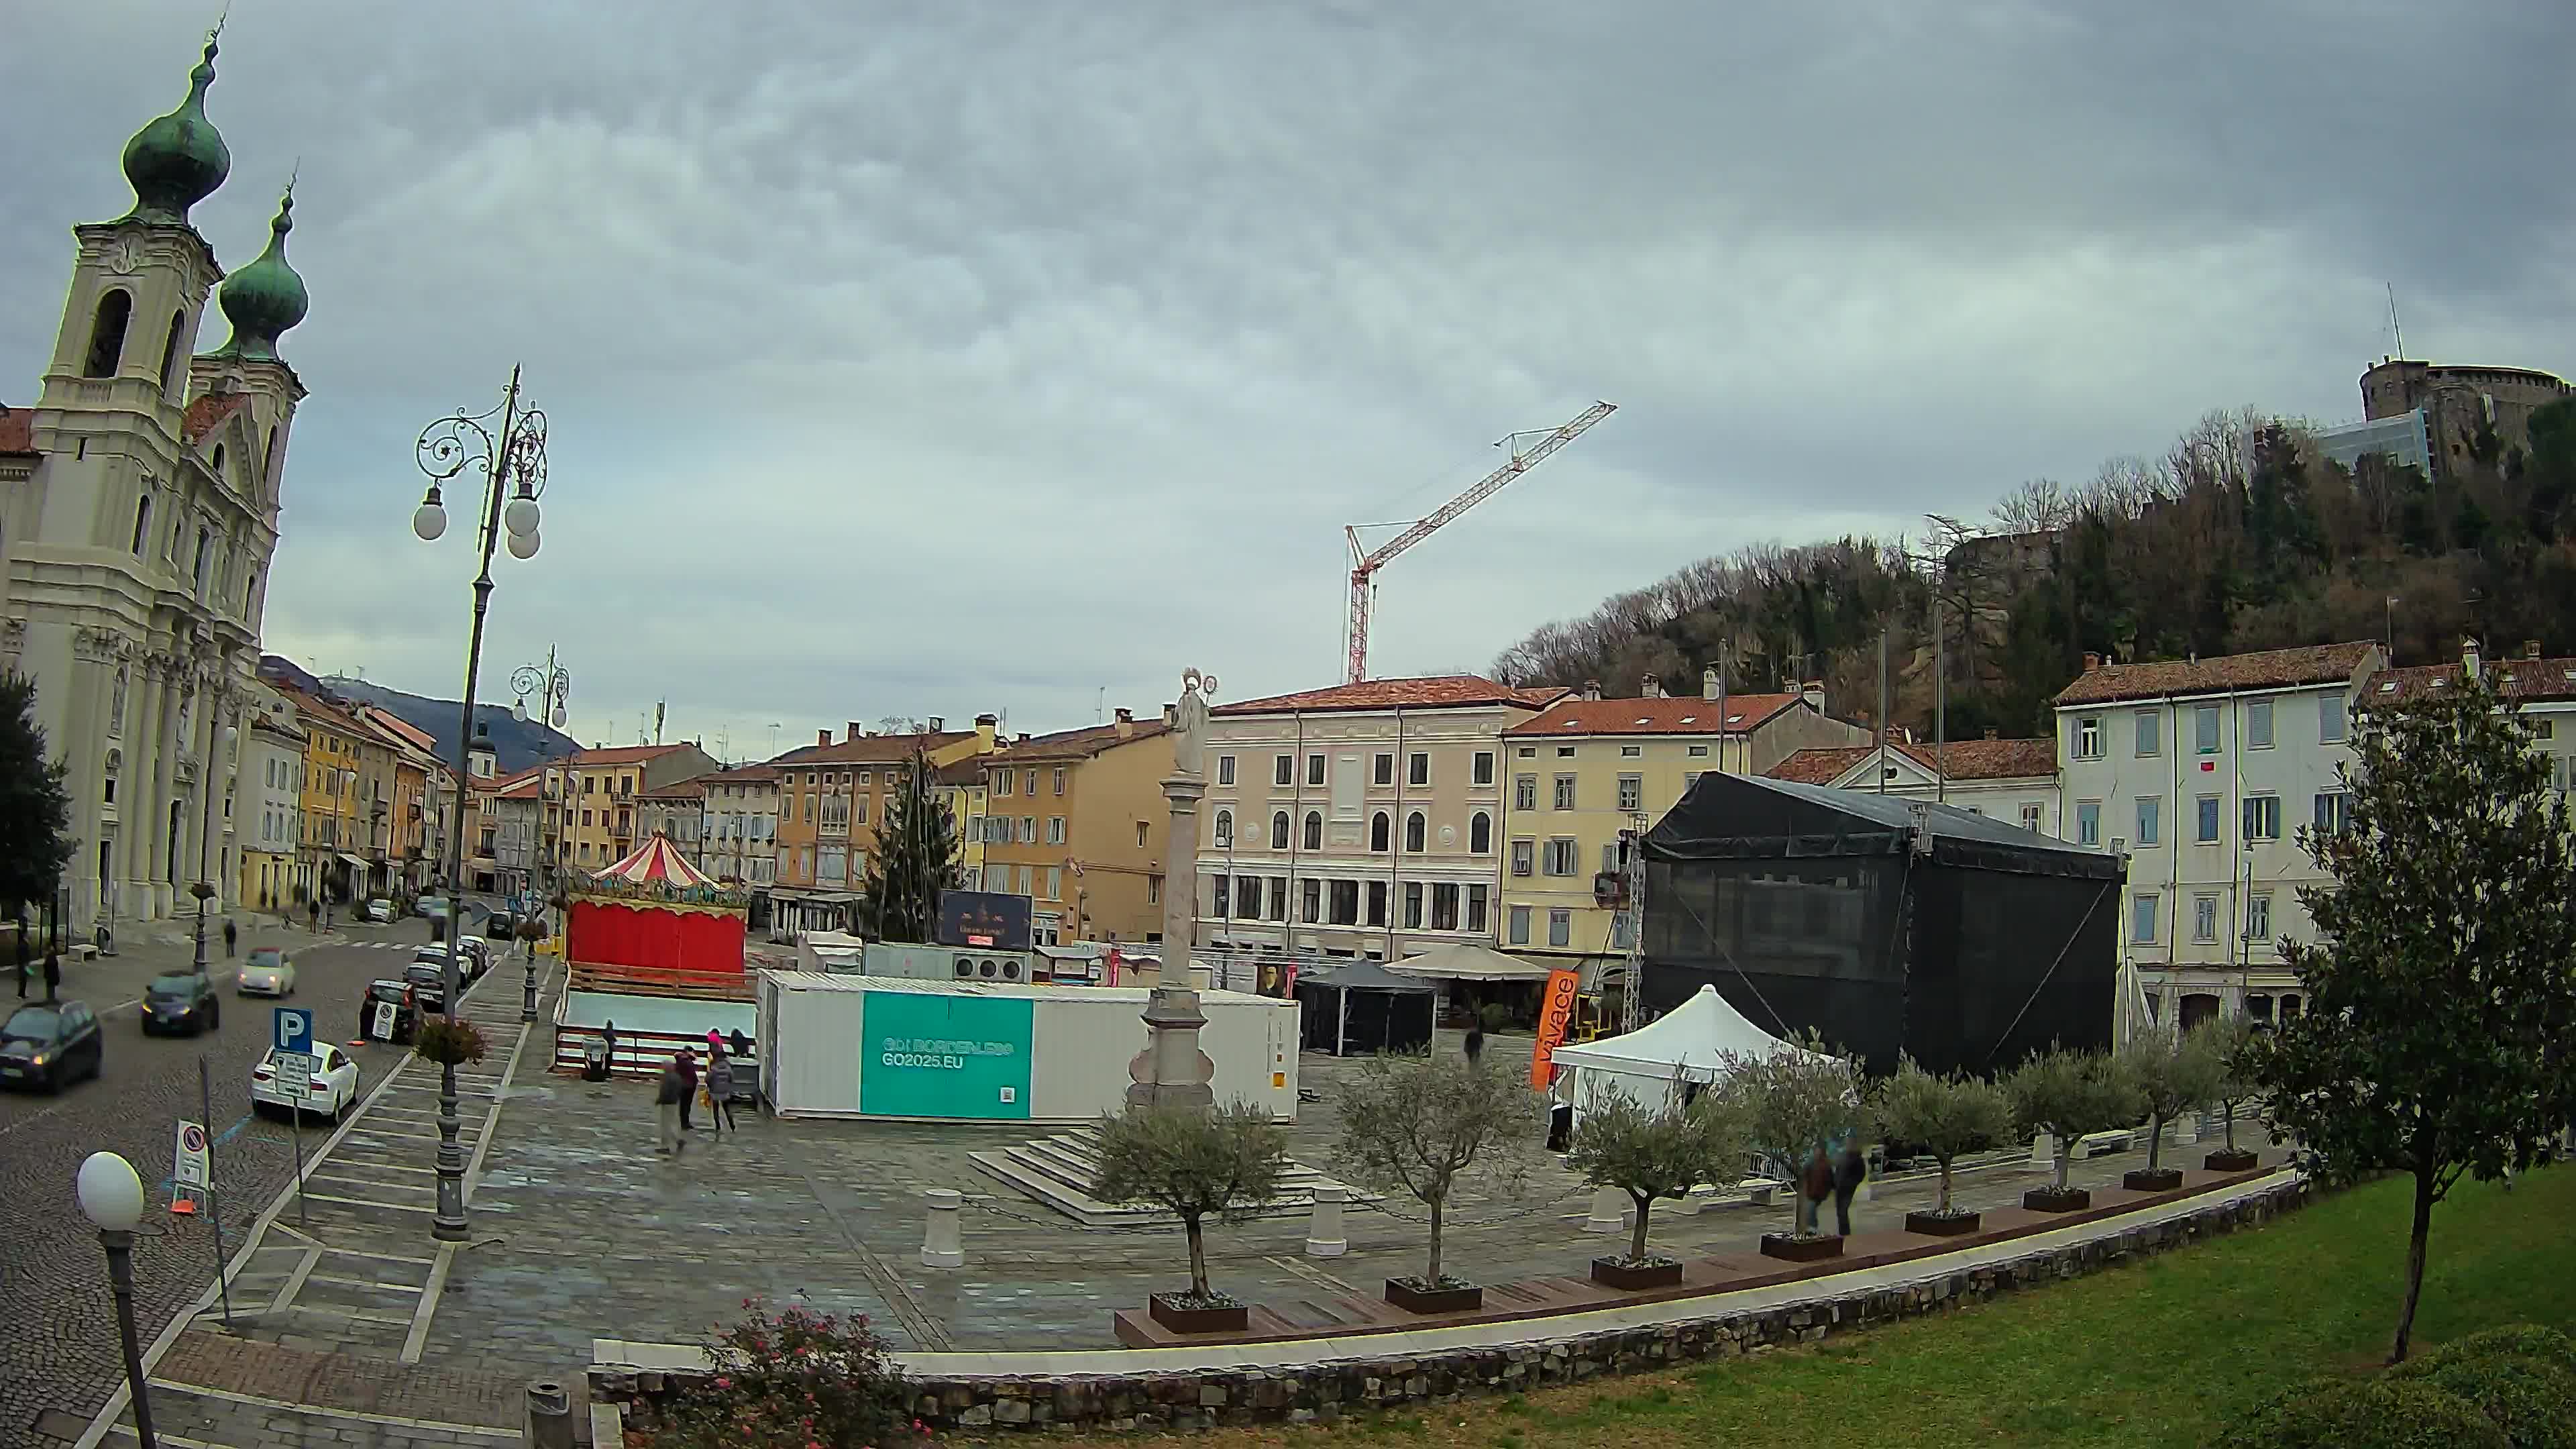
[
  {"x": 687, "y": 1064},
  {"x": 232, "y": 936},
  {"x": 669, "y": 1101},
  {"x": 1850, "y": 1168},
  {"x": 313, "y": 915},
  {"x": 720, "y": 1091},
  {"x": 53, "y": 974}
]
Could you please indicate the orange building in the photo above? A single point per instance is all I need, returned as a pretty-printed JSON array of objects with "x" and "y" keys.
[
  {"x": 1077, "y": 822},
  {"x": 831, "y": 800}
]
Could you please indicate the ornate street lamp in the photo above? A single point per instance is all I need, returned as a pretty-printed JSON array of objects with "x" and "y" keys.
[
  {"x": 513, "y": 464},
  {"x": 111, "y": 1197}
]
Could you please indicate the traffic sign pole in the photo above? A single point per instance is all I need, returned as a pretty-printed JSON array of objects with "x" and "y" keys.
[{"x": 214, "y": 1198}]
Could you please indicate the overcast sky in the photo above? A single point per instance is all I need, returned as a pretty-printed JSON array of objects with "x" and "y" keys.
[{"x": 924, "y": 359}]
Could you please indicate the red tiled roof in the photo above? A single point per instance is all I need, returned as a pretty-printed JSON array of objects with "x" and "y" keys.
[
  {"x": 621, "y": 755},
  {"x": 506, "y": 784},
  {"x": 403, "y": 729},
  {"x": 17, "y": 430},
  {"x": 968, "y": 771},
  {"x": 208, "y": 413},
  {"x": 2269, "y": 669},
  {"x": 694, "y": 788},
  {"x": 319, "y": 708},
  {"x": 2521, "y": 679},
  {"x": 1077, "y": 744},
  {"x": 742, "y": 775},
  {"x": 872, "y": 749},
  {"x": 1669, "y": 716},
  {"x": 1966, "y": 759},
  {"x": 1443, "y": 691}
]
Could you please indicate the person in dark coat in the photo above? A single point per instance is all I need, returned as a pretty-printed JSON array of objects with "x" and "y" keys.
[
  {"x": 231, "y": 935},
  {"x": 1850, "y": 1169},
  {"x": 720, "y": 1092},
  {"x": 53, "y": 974},
  {"x": 1475, "y": 1042},
  {"x": 687, "y": 1063},
  {"x": 669, "y": 1101}
]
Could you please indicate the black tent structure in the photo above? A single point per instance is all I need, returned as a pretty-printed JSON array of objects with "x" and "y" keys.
[
  {"x": 1888, "y": 925},
  {"x": 1358, "y": 1008}
]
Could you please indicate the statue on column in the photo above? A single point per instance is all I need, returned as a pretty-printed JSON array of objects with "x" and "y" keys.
[{"x": 1189, "y": 723}]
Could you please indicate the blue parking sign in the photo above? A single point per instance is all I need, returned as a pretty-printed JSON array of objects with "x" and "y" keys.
[{"x": 291, "y": 1030}]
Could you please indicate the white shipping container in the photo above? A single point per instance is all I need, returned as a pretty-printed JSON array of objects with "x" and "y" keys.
[{"x": 866, "y": 1046}]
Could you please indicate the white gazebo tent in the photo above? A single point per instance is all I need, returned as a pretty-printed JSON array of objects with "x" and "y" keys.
[{"x": 1658, "y": 1061}]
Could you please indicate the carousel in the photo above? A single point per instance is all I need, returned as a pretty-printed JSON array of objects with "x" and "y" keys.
[{"x": 654, "y": 951}]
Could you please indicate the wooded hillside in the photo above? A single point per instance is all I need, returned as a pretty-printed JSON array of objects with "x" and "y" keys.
[{"x": 2240, "y": 537}]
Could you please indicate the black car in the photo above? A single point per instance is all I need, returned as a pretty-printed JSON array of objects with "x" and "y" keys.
[
  {"x": 183, "y": 1002},
  {"x": 396, "y": 995},
  {"x": 428, "y": 981},
  {"x": 49, "y": 1046}
]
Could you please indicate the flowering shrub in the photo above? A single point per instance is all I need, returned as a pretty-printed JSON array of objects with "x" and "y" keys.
[
  {"x": 449, "y": 1041},
  {"x": 793, "y": 1379}
]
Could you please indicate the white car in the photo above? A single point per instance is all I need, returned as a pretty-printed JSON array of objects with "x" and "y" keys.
[
  {"x": 380, "y": 911},
  {"x": 334, "y": 1088},
  {"x": 266, "y": 972}
]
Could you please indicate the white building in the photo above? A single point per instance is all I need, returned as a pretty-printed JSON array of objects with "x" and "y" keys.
[
  {"x": 2010, "y": 780},
  {"x": 138, "y": 512},
  {"x": 2202, "y": 771},
  {"x": 268, "y": 800},
  {"x": 1360, "y": 820},
  {"x": 742, "y": 826}
]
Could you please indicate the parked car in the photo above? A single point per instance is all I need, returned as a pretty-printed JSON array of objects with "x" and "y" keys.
[
  {"x": 428, "y": 982},
  {"x": 432, "y": 907},
  {"x": 183, "y": 1002},
  {"x": 478, "y": 956},
  {"x": 266, "y": 972},
  {"x": 501, "y": 926},
  {"x": 334, "y": 1088},
  {"x": 405, "y": 1014},
  {"x": 380, "y": 911},
  {"x": 49, "y": 1046}
]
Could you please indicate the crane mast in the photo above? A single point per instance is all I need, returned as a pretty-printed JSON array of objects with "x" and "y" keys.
[{"x": 1366, "y": 562}]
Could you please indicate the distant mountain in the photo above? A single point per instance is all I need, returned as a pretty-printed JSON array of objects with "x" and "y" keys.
[{"x": 516, "y": 744}]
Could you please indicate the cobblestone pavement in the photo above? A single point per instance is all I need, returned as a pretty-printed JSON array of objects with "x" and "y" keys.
[
  {"x": 583, "y": 1232},
  {"x": 73, "y": 1365},
  {"x": 60, "y": 1349},
  {"x": 224, "y": 1392}
]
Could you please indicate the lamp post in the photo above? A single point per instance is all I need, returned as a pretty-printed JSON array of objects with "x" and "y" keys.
[
  {"x": 111, "y": 1197},
  {"x": 204, "y": 890},
  {"x": 514, "y": 457}
]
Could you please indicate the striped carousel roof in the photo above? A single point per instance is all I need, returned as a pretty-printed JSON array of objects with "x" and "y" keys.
[{"x": 657, "y": 862}]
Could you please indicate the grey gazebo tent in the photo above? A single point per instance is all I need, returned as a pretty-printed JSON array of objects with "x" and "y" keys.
[{"x": 1359, "y": 1007}]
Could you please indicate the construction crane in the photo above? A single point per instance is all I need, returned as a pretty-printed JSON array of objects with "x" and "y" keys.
[{"x": 1366, "y": 562}]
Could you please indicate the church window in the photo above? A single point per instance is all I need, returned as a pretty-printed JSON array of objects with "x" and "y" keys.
[
  {"x": 142, "y": 522},
  {"x": 170, "y": 348},
  {"x": 250, "y": 594},
  {"x": 205, "y": 553},
  {"x": 107, "y": 333},
  {"x": 219, "y": 462}
]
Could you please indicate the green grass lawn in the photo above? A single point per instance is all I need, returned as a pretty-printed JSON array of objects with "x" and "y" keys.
[{"x": 2160, "y": 1353}]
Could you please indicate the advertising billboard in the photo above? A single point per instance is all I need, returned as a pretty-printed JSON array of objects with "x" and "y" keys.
[
  {"x": 987, "y": 920},
  {"x": 937, "y": 1055}
]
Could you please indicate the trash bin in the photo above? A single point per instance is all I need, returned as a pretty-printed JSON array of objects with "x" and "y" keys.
[{"x": 594, "y": 1061}]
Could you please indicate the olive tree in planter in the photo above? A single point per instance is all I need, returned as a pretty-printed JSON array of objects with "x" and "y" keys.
[
  {"x": 1194, "y": 1164},
  {"x": 1650, "y": 1155},
  {"x": 2070, "y": 1095},
  {"x": 1797, "y": 1103},
  {"x": 1425, "y": 1126},
  {"x": 2174, "y": 1073},
  {"x": 1947, "y": 1117},
  {"x": 2231, "y": 1042}
]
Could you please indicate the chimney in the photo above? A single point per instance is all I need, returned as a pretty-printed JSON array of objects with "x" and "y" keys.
[
  {"x": 987, "y": 727},
  {"x": 1652, "y": 687},
  {"x": 2530, "y": 648},
  {"x": 1592, "y": 689},
  {"x": 1126, "y": 723},
  {"x": 1023, "y": 739},
  {"x": 938, "y": 724},
  {"x": 822, "y": 737},
  {"x": 1708, "y": 685},
  {"x": 1814, "y": 693},
  {"x": 1990, "y": 732},
  {"x": 2469, "y": 657},
  {"x": 855, "y": 731},
  {"x": 1171, "y": 716},
  {"x": 2092, "y": 661}
]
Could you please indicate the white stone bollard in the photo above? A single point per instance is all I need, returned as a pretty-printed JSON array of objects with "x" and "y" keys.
[
  {"x": 2187, "y": 1129},
  {"x": 2043, "y": 1152},
  {"x": 1324, "y": 1237},
  {"x": 1609, "y": 1211},
  {"x": 940, "y": 1245}
]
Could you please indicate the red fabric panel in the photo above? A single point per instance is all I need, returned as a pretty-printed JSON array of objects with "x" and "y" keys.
[{"x": 642, "y": 938}]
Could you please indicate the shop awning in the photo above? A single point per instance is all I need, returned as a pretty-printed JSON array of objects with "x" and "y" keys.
[
  {"x": 356, "y": 862},
  {"x": 1468, "y": 961}
]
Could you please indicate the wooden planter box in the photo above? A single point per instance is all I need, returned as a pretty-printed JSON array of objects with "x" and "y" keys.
[
  {"x": 1613, "y": 1273},
  {"x": 2152, "y": 1179},
  {"x": 2054, "y": 1200},
  {"x": 1230, "y": 1318},
  {"x": 2225, "y": 1160},
  {"x": 1937, "y": 1225},
  {"x": 1434, "y": 1300},
  {"x": 1790, "y": 1248}
]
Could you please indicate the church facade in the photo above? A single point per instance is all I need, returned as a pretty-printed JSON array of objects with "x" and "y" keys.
[{"x": 139, "y": 505}]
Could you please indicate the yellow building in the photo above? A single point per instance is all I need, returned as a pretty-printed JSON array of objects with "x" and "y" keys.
[
  {"x": 599, "y": 790},
  {"x": 1583, "y": 770},
  {"x": 328, "y": 863},
  {"x": 267, "y": 802},
  {"x": 961, "y": 789},
  {"x": 1077, "y": 822},
  {"x": 832, "y": 799}
]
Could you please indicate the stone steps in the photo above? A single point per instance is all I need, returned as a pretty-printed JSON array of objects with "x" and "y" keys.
[{"x": 1059, "y": 1170}]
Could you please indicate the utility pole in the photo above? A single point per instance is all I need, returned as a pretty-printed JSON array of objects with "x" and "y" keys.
[
  {"x": 1940, "y": 706},
  {"x": 1882, "y": 709}
]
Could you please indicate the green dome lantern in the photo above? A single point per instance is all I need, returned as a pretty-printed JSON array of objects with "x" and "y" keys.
[
  {"x": 179, "y": 159},
  {"x": 266, "y": 298}
]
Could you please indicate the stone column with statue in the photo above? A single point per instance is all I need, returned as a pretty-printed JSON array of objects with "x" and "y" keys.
[{"x": 1172, "y": 1070}]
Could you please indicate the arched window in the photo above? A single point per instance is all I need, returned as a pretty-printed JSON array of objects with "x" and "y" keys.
[
  {"x": 219, "y": 462},
  {"x": 142, "y": 522},
  {"x": 205, "y": 555},
  {"x": 115, "y": 763},
  {"x": 1224, "y": 828},
  {"x": 250, "y": 603},
  {"x": 1380, "y": 831},
  {"x": 107, "y": 333},
  {"x": 268, "y": 463},
  {"x": 1480, "y": 833},
  {"x": 1314, "y": 830},
  {"x": 1413, "y": 826},
  {"x": 170, "y": 348},
  {"x": 1279, "y": 830}
]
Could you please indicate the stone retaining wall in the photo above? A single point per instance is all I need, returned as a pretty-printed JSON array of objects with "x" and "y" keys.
[{"x": 1302, "y": 1393}]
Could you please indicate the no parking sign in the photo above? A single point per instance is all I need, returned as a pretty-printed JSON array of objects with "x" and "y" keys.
[{"x": 189, "y": 1166}]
